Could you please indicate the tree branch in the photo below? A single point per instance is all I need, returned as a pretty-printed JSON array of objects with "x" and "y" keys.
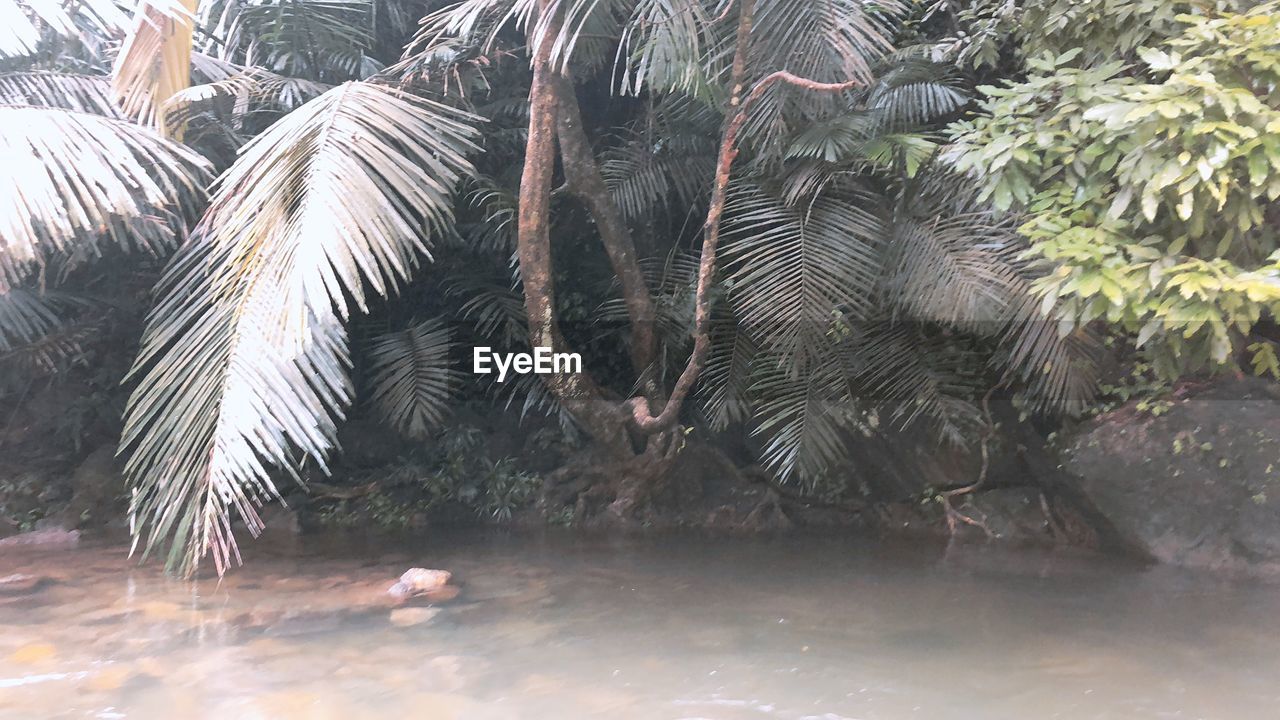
[{"x": 640, "y": 412}]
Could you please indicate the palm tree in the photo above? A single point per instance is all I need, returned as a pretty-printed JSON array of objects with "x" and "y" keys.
[{"x": 838, "y": 266}]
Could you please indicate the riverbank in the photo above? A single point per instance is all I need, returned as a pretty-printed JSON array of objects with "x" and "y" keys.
[{"x": 1189, "y": 478}]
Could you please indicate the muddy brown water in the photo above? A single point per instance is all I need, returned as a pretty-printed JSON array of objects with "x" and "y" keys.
[{"x": 560, "y": 626}]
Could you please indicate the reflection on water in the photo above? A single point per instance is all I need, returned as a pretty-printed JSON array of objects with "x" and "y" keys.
[{"x": 564, "y": 626}]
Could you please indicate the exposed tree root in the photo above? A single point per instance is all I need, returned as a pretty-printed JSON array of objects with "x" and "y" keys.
[
  {"x": 950, "y": 514},
  {"x": 954, "y": 517}
]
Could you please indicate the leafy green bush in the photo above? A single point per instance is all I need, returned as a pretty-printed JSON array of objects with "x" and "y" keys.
[{"x": 1149, "y": 192}]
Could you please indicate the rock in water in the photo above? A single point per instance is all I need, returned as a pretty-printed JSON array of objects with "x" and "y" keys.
[
  {"x": 51, "y": 539},
  {"x": 19, "y": 584},
  {"x": 1196, "y": 484},
  {"x": 420, "y": 581},
  {"x": 405, "y": 617},
  {"x": 96, "y": 483}
]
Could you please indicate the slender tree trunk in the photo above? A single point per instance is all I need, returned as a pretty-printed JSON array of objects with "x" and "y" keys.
[
  {"x": 584, "y": 181},
  {"x": 553, "y": 108},
  {"x": 641, "y": 414},
  {"x": 577, "y": 392}
]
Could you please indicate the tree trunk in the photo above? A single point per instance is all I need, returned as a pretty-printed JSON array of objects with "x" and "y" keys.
[
  {"x": 636, "y": 464},
  {"x": 642, "y": 415},
  {"x": 584, "y": 181},
  {"x": 739, "y": 105},
  {"x": 577, "y": 392}
]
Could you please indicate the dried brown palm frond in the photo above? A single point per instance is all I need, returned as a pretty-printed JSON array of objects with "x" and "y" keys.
[{"x": 154, "y": 61}]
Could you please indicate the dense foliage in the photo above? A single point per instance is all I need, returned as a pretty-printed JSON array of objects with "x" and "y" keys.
[
  {"x": 811, "y": 218},
  {"x": 1149, "y": 188}
]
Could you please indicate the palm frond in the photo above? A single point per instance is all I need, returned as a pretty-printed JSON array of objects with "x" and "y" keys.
[
  {"x": 470, "y": 23},
  {"x": 244, "y": 363},
  {"x": 802, "y": 417},
  {"x": 69, "y": 91},
  {"x": 251, "y": 85},
  {"x": 859, "y": 141},
  {"x": 664, "y": 45},
  {"x": 910, "y": 372},
  {"x": 672, "y": 280},
  {"x": 206, "y": 68},
  {"x": 585, "y": 38},
  {"x": 27, "y": 315},
  {"x": 59, "y": 348},
  {"x": 915, "y": 372},
  {"x": 323, "y": 40},
  {"x": 824, "y": 40},
  {"x": 495, "y": 230},
  {"x": 246, "y": 91},
  {"x": 726, "y": 384},
  {"x": 588, "y": 32},
  {"x": 836, "y": 139},
  {"x": 955, "y": 263},
  {"x": 794, "y": 267},
  {"x": 410, "y": 377},
  {"x": 68, "y": 179},
  {"x": 886, "y": 122},
  {"x": 950, "y": 260},
  {"x": 496, "y": 309},
  {"x": 1059, "y": 363},
  {"x": 155, "y": 60},
  {"x": 24, "y": 22},
  {"x": 659, "y": 168},
  {"x": 42, "y": 332},
  {"x": 534, "y": 397},
  {"x": 911, "y": 93}
]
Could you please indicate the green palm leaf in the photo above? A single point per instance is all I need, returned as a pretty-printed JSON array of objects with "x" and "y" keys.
[
  {"x": 410, "y": 377},
  {"x": 323, "y": 40},
  {"x": 794, "y": 267},
  {"x": 26, "y": 316},
  {"x": 24, "y": 22},
  {"x": 726, "y": 386},
  {"x": 823, "y": 40},
  {"x": 950, "y": 260},
  {"x": 469, "y": 21},
  {"x": 67, "y": 179},
  {"x": 495, "y": 308},
  {"x": 244, "y": 363},
  {"x": 1060, "y": 363},
  {"x": 667, "y": 167},
  {"x": 665, "y": 43},
  {"x": 587, "y": 38},
  {"x": 802, "y": 416},
  {"x": 40, "y": 333},
  {"x": 496, "y": 209},
  {"x": 915, "y": 371},
  {"x": 252, "y": 89},
  {"x": 953, "y": 262},
  {"x": 69, "y": 91}
]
